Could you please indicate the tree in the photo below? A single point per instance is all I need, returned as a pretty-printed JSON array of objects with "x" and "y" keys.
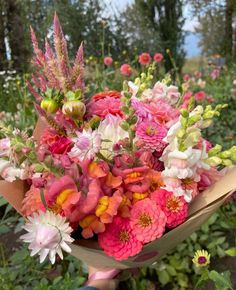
[{"x": 216, "y": 20}]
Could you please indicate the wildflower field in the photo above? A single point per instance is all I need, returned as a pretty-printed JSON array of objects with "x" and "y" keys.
[{"x": 206, "y": 259}]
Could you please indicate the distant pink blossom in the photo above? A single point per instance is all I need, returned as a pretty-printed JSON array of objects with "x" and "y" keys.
[
  {"x": 199, "y": 96},
  {"x": 186, "y": 77},
  {"x": 126, "y": 70},
  {"x": 158, "y": 57},
  {"x": 215, "y": 73},
  {"x": 144, "y": 58},
  {"x": 108, "y": 61}
]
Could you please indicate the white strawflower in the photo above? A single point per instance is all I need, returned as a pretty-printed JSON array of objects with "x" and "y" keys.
[{"x": 48, "y": 234}]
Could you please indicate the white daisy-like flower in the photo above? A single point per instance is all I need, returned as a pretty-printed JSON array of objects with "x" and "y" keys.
[{"x": 48, "y": 234}]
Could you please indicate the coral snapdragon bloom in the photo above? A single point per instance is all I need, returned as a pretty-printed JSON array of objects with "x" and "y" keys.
[
  {"x": 62, "y": 196},
  {"x": 107, "y": 207},
  {"x": 90, "y": 225},
  {"x": 32, "y": 202}
]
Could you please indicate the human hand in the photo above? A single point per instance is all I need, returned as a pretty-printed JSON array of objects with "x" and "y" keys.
[{"x": 102, "y": 278}]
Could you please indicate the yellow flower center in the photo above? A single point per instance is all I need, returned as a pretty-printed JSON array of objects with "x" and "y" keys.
[
  {"x": 124, "y": 236},
  {"x": 62, "y": 197},
  {"x": 145, "y": 220},
  {"x": 150, "y": 131},
  {"x": 173, "y": 204},
  {"x": 87, "y": 221}
]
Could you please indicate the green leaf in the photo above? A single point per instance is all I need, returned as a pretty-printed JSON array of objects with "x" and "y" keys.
[
  {"x": 202, "y": 280},
  {"x": 4, "y": 229},
  {"x": 222, "y": 281},
  {"x": 163, "y": 277},
  {"x": 43, "y": 199},
  {"x": 2, "y": 201},
  {"x": 231, "y": 252}
]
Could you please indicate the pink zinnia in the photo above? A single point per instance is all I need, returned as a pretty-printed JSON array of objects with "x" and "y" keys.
[
  {"x": 158, "y": 57},
  {"x": 126, "y": 70},
  {"x": 151, "y": 134},
  {"x": 108, "y": 61},
  {"x": 119, "y": 241},
  {"x": 144, "y": 58},
  {"x": 147, "y": 220},
  {"x": 174, "y": 207}
]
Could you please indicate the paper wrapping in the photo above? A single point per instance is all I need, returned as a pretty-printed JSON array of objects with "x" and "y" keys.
[{"x": 202, "y": 207}]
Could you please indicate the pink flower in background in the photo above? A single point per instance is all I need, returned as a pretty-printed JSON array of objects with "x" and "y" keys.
[
  {"x": 126, "y": 70},
  {"x": 215, "y": 73},
  {"x": 199, "y": 96},
  {"x": 186, "y": 77},
  {"x": 144, "y": 58},
  {"x": 152, "y": 134},
  {"x": 147, "y": 220},
  {"x": 108, "y": 61},
  {"x": 158, "y": 57},
  {"x": 174, "y": 207},
  {"x": 5, "y": 145},
  {"x": 119, "y": 241},
  {"x": 105, "y": 103}
]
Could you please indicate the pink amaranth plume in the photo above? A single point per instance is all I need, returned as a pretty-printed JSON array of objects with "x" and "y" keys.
[{"x": 54, "y": 70}]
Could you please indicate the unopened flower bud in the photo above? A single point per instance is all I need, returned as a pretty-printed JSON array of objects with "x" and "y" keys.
[
  {"x": 74, "y": 109},
  {"x": 214, "y": 161},
  {"x": 215, "y": 150},
  {"x": 184, "y": 113},
  {"x": 49, "y": 105},
  {"x": 226, "y": 162},
  {"x": 124, "y": 125},
  {"x": 225, "y": 154}
]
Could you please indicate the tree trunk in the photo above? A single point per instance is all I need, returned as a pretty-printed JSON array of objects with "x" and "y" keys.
[
  {"x": 229, "y": 10},
  {"x": 3, "y": 53}
]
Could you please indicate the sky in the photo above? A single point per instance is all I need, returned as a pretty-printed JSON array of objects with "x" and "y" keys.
[{"x": 191, "y": 40}]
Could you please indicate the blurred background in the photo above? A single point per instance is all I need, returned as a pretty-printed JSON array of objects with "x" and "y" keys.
[{"x": 197, "y": 39}]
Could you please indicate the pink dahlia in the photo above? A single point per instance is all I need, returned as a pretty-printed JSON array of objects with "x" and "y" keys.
[
  {"x": 126, "y": 70},
  {"x": 108, "y": 61},
  {"x": 158, "y": 57},
  {"x": 144, "y": 58},
  {"x": 119, "y": 241},
  {"x": 147, "y": 220},
  {"x": 151, "y": 134},
  {"x": 105, "y": 103},
  {"x": 199, "y": 96},
  {"x": 174, "y": 207}
]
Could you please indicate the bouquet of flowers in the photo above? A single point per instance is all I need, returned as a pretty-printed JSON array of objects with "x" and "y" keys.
[{"x": 125, "y": 175}]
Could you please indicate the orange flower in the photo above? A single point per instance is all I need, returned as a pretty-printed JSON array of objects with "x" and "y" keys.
[{"x": 91, "y": 224}]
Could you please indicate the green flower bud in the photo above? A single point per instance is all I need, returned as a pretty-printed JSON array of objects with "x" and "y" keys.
[
  {"x": 226, "y": 154},
  {"x": 124, "y": 125},
  {"x": 214, "y": 161},
  {"x": 181, "y": 133},
  {"x": 194, "y": 119},
  {"x": 184, "y": 122},
  {"x": 227, "y": 162},
  {"x": 125, "y": 110},
  {"x": 49, "y": 105},
  {"x": 143, "y": 87},
  {"x": 74, "y": 109},
  {"x": 38, "y": 167},
  {"x": 209, "y": 115},
  {"x": 215, "y": 150},
  {"x": 184, "y": 113}
]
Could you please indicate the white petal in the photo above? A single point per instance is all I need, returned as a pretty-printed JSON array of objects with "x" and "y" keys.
[
  {"x": 65, "y": 247},
  {"x": 43, "y": 255}
]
